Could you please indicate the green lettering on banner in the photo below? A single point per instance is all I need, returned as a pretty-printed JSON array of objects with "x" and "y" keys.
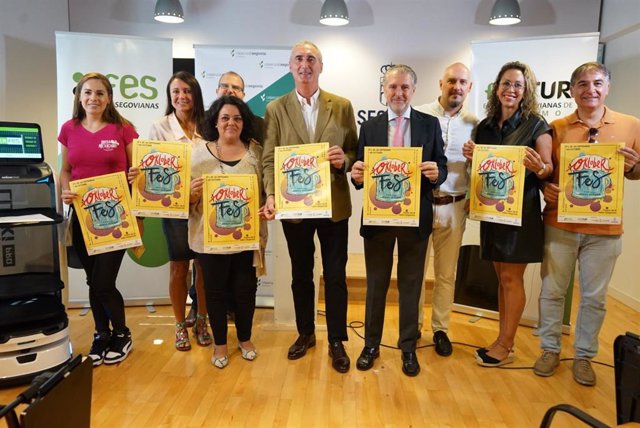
[
  {"x": 258, "y": 104},
  {"x": 129, "y": 86}
]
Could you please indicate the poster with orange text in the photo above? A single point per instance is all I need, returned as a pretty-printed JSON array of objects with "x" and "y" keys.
[
  {"x": 162, "y": 188},
  {"x": 231, "y": 220},
  {"x": 303, "y": 181},
  {"x": 591, "y": 183},
  {"x": 103, "y": 207},
  {"x": 391, "y": 186},
  {"x": 497, "y": 184}
]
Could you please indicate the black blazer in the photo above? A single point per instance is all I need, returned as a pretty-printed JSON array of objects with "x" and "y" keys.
[{"x": 425, "y": 133}]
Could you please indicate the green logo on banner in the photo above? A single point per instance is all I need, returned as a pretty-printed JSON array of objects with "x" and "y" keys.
[
  {"x": 155, "y": 245},
  {"x": 258, "y": 104}
]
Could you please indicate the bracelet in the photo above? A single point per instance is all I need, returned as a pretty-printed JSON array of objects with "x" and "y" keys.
[{"x": 542, "y": 170}]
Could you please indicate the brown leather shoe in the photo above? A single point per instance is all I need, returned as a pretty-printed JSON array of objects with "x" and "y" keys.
[
  {"x": 302, "y": 343},
  {"x": 340, "y": 359}
]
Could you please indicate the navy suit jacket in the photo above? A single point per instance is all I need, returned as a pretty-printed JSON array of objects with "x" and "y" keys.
[{"x": 425, "y": 133}]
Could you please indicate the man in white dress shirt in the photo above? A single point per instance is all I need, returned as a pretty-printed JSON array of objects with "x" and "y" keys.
[{"x": 449, "y": 214}]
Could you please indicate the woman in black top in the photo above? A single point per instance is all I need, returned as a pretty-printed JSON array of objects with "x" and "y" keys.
[{"x": 513, "y": 119}]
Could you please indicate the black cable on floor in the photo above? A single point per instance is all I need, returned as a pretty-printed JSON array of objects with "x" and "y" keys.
[{"x": 353, "y": 325}]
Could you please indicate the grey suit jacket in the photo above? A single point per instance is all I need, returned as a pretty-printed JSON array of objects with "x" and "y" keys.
[{"x": 336, "y": 125}]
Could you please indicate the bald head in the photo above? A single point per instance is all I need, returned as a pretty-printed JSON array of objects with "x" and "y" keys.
[{"x": 454, "y": 87}]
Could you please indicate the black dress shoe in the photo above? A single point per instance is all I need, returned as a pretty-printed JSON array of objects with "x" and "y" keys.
[
  {"x": 365, "y": 360},
  {"x": 340, "y": 359},
  {"x": 443, "y": 344},
  {"x": 302, "y": 343},
  {"x": 410, "y": 365}
]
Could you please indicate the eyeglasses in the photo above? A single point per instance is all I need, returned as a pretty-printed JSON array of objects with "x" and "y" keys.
[
  {"x": 593, "y": 134},
  {"x": 517, "y": 86},
  {"x": 232, "y": 87}
]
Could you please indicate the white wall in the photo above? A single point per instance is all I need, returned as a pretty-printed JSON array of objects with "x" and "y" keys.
[
  {"x": 28, "y": 64},
  {"x": 621, "y": 35}
]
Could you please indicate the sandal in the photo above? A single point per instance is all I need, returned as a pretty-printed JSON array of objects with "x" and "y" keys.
[
  {"x": 485, "y": 360},
  {"x": 220, "y": 362},
  {"x": 248, "y": 354},
  {"x": 182, "y": 337},
  {"x": 201, "y": 331}
]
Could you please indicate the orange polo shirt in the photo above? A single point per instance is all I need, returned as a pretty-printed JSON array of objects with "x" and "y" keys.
[{"x": 614, "y": 127}]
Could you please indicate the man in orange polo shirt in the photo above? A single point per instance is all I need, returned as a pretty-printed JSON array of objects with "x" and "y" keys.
[{"x": 595, "y": 246}]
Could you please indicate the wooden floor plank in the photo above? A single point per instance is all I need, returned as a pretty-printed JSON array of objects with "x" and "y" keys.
[{"x": 160, "y": 387}]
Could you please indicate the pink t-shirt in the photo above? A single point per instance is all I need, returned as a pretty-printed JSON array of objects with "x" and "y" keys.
[{"x": 96, "y": 153}]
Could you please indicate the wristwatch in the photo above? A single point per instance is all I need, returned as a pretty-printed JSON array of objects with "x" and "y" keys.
[{"x": 542, "y": 170}]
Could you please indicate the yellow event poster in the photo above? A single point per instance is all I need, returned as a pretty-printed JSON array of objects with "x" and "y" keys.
[
  {"x": 391, "y": 186},
  {"x": 303, "y": 181},
  {"x": 591, "y": 183},
  {"x": 103, "y": 207},
  {"x": 231, "y": 220},
  {"x": 497, "y": 184},
  {"x": 162, "y": 188}
]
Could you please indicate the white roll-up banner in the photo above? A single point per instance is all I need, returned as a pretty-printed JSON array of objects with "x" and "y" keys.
[
  {"x": 139, "y": 69},
  {"x": 552, "y": 60}
]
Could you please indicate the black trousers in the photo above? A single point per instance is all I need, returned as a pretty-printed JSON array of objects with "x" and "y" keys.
[
  {"x": 378, "y": 253},
  {"x": 333, "y": 238},
  {"x": 226, "y": 274},
  {"x": 107, "y": 304}
]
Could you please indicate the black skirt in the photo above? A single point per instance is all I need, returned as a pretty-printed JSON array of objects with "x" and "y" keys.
[{"x": 516, "y": 244}]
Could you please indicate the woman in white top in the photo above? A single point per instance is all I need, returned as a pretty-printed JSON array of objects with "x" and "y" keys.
[
  {"x": 229, "y": 150},
  {"x": 182, "y": 122}
]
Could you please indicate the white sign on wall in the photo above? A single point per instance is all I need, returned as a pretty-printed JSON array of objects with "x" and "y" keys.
[
  {"x": 552, "y": 59},
  {"x": 265, "y": 72}
]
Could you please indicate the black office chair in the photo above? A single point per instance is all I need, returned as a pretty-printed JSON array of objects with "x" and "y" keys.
[{"x": 573, "y": 411}]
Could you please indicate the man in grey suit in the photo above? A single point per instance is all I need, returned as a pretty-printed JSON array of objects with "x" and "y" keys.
[
  {"x": 311, "y": 115},
  {"x": 399, "y": 126}
]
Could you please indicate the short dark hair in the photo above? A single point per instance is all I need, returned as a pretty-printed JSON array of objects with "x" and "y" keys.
[
  {"x": 589, "y": 66},
  {"x": 196, "y": 93},
  {"x": 209, "y": 130}
]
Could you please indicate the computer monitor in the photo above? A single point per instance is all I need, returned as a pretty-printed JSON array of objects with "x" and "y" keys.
[{"x": 20, "y": 143}]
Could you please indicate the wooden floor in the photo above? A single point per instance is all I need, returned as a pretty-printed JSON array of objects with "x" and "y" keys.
[{"x": 160, "y": 387}]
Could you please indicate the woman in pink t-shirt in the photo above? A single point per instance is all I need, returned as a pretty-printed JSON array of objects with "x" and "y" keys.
[{"x": 97, "y": 141}]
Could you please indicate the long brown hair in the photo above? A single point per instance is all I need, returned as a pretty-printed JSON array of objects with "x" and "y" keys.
[
  {"x": 110, "y": 114},
  {"x": 197, "y": 114},
  {"x": 529, "y": 103}
]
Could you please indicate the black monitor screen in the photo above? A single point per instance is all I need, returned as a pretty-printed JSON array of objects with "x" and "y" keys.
[{"x": 20, "y": 143}]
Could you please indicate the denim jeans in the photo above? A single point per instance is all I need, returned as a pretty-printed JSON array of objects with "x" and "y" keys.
[{"x": 597, "y": 256}]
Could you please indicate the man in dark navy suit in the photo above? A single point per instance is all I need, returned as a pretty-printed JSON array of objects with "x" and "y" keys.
[{"x": 400, "y": 126}]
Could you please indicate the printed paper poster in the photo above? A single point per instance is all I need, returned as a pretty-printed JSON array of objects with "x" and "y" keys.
[
  {"x": 591, "y": 183},
  {"x": 303, "y": 181},
  {"x": 162, "y": 188},
  {"x": 391, "y": 186},
  {"x": 103, "y": 207},
  {"x": 231, "y": 203},
  {"x": 497, "y": 184}
]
